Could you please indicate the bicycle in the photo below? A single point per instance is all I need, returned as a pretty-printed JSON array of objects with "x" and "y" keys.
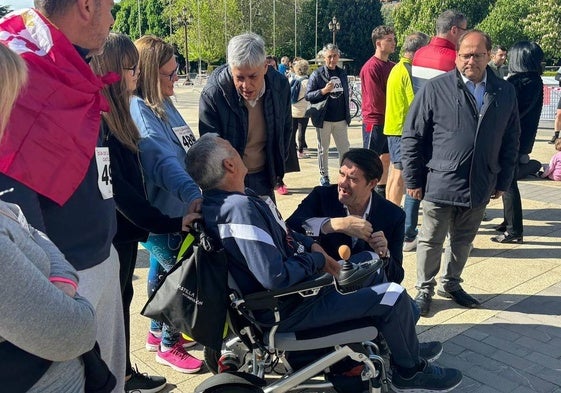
[{"x": 355, "y": 100}]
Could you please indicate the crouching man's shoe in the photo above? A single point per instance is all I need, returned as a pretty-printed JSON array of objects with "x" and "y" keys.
[
  {"x": 429, "y": 378},
  {"x": 461, "y": 297}
]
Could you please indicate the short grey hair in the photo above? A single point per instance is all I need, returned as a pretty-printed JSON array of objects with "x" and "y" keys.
[
  {"x": 449, "y": 19},
  {"x": 415, "y": 41},
  {"x": 205, "y": 161},
  {"x": 330, "y": 47},
  {"x": 246, "y": 50}
]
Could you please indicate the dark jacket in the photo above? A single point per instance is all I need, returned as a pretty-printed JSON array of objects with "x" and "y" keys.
[
  {"x": 460, "y": 157},
  {"x": 318, "y": 80},
  {"x": 221, "y": 110},
  {"x": 83, "y": 228},
  {"x": 529, "y": 92},
  {"x": 383, "y": 215},
  {"x": 135, "y": 216}
]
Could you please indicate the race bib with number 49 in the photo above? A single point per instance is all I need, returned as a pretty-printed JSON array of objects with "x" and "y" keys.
[{"x": 104, "y": 181}]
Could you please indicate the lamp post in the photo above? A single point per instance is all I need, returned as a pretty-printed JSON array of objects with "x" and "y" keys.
[
  {"x": 186, "y": 20},
  {"x": 334, "y": 27}
]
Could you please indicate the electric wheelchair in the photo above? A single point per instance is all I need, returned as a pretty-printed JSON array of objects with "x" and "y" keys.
[{"x": 256, "y": 357}]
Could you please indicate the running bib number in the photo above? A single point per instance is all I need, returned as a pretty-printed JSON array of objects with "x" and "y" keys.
[
  {"x": 104, "y": 181},
  {"x": 185, "y": 136}
]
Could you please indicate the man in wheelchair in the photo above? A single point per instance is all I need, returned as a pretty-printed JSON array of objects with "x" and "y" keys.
[{"x": 263, "y": 254}]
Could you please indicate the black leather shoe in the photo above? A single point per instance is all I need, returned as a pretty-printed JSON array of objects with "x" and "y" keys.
[
  {"x": 461, "y": 297},
  {"x": 507, "y": 238},
  {"x": 423, "y": 300},
  {"x": 500, "y": 228}
]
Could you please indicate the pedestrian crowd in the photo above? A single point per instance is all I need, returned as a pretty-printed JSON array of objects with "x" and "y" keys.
[{"x": 95, "y": 159}]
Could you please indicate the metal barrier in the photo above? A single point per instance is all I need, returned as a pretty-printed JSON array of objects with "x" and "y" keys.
[{"x": 551, "y": 97}]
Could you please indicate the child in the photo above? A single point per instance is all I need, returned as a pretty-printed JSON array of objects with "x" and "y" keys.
[{"x": 553, "y": 170}]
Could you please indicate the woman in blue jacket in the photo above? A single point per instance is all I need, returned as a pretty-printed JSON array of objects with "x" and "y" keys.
[{"x": 165, "y": 139}]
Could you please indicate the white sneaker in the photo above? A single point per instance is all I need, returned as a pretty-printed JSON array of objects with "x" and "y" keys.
[{"x": 410, "y": 246}]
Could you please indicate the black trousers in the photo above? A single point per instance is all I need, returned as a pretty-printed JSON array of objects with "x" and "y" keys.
[
  {"x": 127, "y": 261},
  {"x": 512, "y": 208}
]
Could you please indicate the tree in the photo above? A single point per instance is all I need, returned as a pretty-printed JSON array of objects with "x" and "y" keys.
[
  {"x": 4, "y": 10},
  {"x": 542, "y": 25},
  {"x": 413, "y": 15},
  {"x": 357, "y": 18},
  {"x": 503, "y": 22}
]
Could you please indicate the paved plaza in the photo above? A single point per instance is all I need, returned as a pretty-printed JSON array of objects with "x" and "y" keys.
[{"x": 511, "y": 344}]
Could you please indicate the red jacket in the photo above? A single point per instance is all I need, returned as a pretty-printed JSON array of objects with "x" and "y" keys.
[
  {"x": 53, "y": 130},
  {"x": 438, "y": 57}
]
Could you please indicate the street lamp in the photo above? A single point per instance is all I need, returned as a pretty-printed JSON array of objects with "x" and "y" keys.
[
  {"x": 334, "y": 27},
  {"x": 186, "y": 20}
]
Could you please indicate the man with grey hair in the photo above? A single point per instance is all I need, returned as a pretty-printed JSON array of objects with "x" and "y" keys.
[
  {"x": 248, "y": 103},
  {"x": 459, "y": 149},
  {"x": 398, "y": 99},
  {"x": 439, "y": 56},
  {"x": 329, "y": 84},
  {"x": 51, "y": 154},
  {"x": 264, "y": 254}
]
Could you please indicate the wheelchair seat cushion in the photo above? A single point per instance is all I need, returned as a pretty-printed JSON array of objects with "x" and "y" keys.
[{"x": 326, "y": 336}]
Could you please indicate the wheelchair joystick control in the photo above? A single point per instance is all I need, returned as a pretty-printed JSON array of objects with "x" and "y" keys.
[{"x": 352, "y": 276}]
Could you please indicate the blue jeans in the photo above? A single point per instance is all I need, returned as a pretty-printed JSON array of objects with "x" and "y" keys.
[
  {"x": 163, "y": 255},
  {"x": 411, "y": 208}
]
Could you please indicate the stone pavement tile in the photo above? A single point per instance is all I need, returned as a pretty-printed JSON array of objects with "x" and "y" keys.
[
  {"x": 477, "y": 373},
  {"x": 469, "y": 385}
]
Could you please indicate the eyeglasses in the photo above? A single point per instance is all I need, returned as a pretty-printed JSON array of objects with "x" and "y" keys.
[
  {"x": 134, "y": 70},
  {"x": 461, "y": 28},
  {"x": 476, "y": 56},
  {"x": 172, "y": 75}
]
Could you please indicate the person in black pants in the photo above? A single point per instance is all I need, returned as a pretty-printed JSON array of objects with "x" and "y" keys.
[
  {"x": 135, "y": 216},
  {"x": 525, "y": 74}
]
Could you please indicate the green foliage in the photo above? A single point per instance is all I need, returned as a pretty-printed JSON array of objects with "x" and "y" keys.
[
  {"x": 543, "y": 26},
  {"x": 4, "y": 10},
  {"x": 357, "y": 19},
  {"x": 503, "y": 22},
  {"x": 413, "y": 15}
]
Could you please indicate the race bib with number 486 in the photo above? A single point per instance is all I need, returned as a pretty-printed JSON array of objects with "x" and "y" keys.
[{"x": 185, "y": 136}]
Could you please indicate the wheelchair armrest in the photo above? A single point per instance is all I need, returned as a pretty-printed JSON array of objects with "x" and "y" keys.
[{"x": 269, "y": 299}]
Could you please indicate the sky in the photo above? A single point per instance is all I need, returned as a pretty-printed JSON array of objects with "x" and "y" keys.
[{"x": 17, "y": 4}]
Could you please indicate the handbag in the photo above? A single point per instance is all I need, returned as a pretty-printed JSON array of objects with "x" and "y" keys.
[
  {"x": 316, "y": 112},
  {"x": 193, "y": 296}
]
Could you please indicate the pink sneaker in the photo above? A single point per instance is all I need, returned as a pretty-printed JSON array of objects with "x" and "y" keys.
[
  {"x": 153, "y": 342},
  {"x": 178, "y": 359}
]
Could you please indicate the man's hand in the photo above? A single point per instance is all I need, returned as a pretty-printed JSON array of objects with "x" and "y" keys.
[
  {"x": 379, "y": 243},
  {"x": 415, "y": 193},
  {"x": 193, "y": 213},
  {"x": 331, "y": 265},
  {"x": 352, "y": 226},
  {"x": 188, "y": 219},
  {"x": 497, "y": 194}
]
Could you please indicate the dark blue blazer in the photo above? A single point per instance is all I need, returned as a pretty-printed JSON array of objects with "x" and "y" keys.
[{"x": 384, "y": 216}]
